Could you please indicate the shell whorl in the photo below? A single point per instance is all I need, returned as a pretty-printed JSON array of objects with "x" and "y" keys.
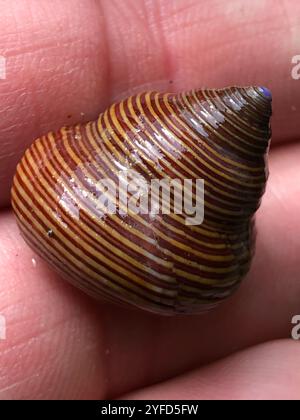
[{"x": 159, "y": 264}]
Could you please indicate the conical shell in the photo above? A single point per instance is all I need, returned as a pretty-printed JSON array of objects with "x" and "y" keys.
[{"x": 154, "y": 261}]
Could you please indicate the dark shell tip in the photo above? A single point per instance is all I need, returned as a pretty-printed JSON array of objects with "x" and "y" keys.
[{"x": 266, "y": 92}]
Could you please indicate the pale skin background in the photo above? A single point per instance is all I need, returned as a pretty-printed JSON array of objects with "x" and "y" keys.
[{"x": 68, "y": 57}]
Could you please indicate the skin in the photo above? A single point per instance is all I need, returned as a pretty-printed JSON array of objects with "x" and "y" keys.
[{"x": 68, "y": 58}]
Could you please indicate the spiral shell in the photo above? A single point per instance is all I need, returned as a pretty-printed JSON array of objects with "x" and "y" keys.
[{"x": 158, "y": 263}]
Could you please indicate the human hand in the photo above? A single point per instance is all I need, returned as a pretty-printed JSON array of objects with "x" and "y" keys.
[{"x": 86, "y": 55}]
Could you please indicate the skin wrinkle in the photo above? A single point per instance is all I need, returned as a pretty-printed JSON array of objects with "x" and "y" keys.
[
  {"x": 46, "y": 373},
  {"x": 108, "y": 64},
  {"x": 167, "y": 60},
  {"x": 37, "y": 90},
  {"x": 144, "y": 52},
  {"x": 36, "y": 335},
  {"x": 232, "y": 378},
  {"x": 179, "y": 8},
  {"x": 65, "y": 338},
  {"x": 14, "y": 372},
  {"x": 6, "y": 393}
]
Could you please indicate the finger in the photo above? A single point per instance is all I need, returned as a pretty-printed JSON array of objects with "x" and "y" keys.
[
  {"x": 81, "y": 58},
  {"x": 69, "y": 346},
  {"x": 265, "y": 372}
]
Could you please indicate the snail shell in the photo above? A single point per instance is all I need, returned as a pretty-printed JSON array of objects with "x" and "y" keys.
[{"x": 159, "y": 263}]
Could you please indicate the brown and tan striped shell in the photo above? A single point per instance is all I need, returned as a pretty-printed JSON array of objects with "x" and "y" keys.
[{"x": 159, "y": 264}]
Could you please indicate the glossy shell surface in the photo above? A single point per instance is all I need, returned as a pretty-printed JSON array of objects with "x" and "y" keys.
[{"x": 157, "y": 263}]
